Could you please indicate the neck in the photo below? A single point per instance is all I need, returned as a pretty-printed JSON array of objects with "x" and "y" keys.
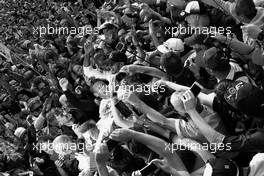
[{"x": 223, "y": 75}]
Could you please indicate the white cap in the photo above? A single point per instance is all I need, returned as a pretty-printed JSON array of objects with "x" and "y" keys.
[
  {"x": 19, "y": 132},
  {"x": 63, "y": 99},
  {"x": 172, "y": 44},
  {"x": 192, "y": 6}
]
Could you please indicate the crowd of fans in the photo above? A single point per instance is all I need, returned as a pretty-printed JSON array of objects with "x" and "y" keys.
[{"x": 132, "y": 87}]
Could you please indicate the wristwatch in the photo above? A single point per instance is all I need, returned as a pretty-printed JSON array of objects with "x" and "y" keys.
[{"x": 261, "y": 36}]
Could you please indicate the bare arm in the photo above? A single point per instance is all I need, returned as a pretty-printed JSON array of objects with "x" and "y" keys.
[
  {"x": 151, "y": 113},
  {"x": 209, "y": 133},
  {"x": 156, "y": 144},
  {"x": 132, "y": 69}
]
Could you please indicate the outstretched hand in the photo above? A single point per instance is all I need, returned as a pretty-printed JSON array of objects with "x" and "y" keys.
[
  {"x": 189, "y": 101},
  {"x": 121, "y": 135}
]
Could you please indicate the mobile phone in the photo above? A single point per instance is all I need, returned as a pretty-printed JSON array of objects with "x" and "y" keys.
[
  {"x": 123, "y": 109},
  {"x": 120, "y": 76},
  {"x": 148, "y": 169},
  {"x": 196, "y": 89},
  {"x": 111, "y": 144}
]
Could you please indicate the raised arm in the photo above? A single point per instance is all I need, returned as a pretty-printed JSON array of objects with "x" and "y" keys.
[
  {"x": 156, "y": 144},
  {"x": 209, "y": 133},
  {"x": 150, "y": 113},
  {"x": 132, "y": 69}
]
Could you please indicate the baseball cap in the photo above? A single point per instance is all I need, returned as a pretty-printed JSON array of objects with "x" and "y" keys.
[
  {"x": 214, "y": 59},
  {"x": 219, "y": 167},
  {"x": 172, "y": 44},
  {"x": 246, "y": 98},
  {"x": 19, "y": 132},
  {"x": 193, "y": 7}
]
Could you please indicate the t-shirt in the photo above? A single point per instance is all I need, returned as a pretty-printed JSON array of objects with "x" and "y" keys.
[
  {"x": 228, "y": 114},
  {"x": 257, "y": 165},
  {"x": 188, "y": 129}
]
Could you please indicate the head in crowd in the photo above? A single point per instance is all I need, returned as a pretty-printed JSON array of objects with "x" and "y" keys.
[
  {"x": 196, "y": 41},
  {"x": 110, "y": 32},
  {"x": 63, "y": 145},
  {"x": 171, "y": 63},
  {"x": 100, "y": 88},
  {"x": 172, "y": 45},
  {"x": 246, "y": 10},
  {"x": 195, "y": 15},
  {"x": 63, "y": 117},
  {"x": 116, "y": 61},
  {"x": 216, "y": 63},
  {"x": 246, "y": 98},
  {"x": 89, "y": 131}
]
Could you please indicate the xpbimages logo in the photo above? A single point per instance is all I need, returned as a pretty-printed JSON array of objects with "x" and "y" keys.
[
  {"x": 47, "y": 146},
  {"x": 182, "y": 30},
  {"x": 147, "y": 89},
  {"x": 212, "y": 147},
  {"x": 50, "y": 30}
]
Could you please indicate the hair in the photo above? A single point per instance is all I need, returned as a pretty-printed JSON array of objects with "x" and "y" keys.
[
  {"x": 50, "y": 54},
  {"x": 246, "y": 8},
  {"x": 221, "y": 60},
  {"x": 172, "y": 63},
  {"x": 87, "y": 126},
  {"x": 93, "y": 81},
  {"x": 62, "y": 139},
  {"x": 221, "y": 88}
]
